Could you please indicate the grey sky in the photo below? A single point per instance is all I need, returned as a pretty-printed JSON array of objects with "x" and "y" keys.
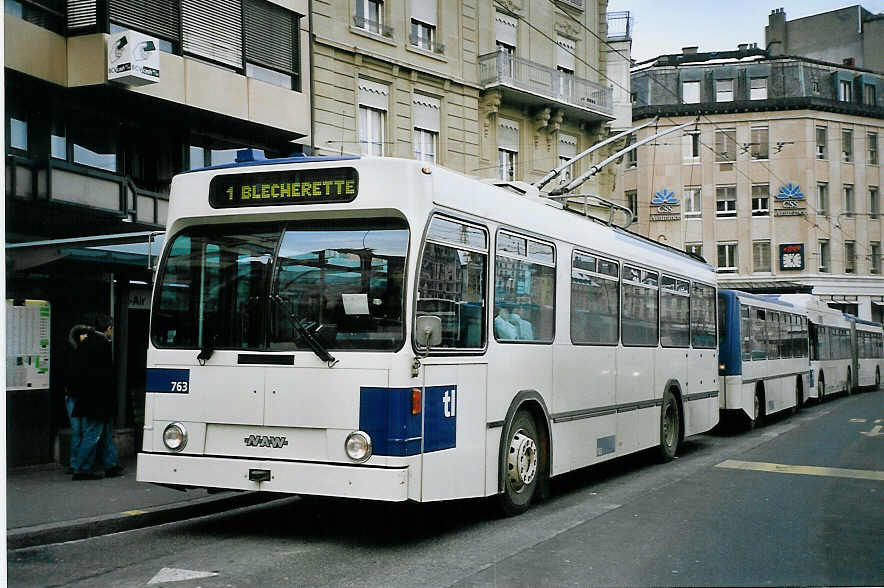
[{"x": 665, "y": 26}]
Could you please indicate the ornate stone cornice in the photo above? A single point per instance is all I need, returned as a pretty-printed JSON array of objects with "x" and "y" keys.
[{"x": 567, "y": 29}]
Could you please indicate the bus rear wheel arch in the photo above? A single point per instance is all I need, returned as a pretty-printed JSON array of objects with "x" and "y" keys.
[{"x": 524, "y": 462}]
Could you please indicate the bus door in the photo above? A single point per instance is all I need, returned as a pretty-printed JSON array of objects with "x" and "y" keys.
[{"x": 454, "y": 425}]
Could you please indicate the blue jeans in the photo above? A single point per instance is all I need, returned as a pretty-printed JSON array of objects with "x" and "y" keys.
[
  {"x": 76, "y": 432},
  {"x": 97, "y": 437}
]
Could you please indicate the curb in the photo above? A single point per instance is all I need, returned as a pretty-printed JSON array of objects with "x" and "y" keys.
[{"x": 134, "y": 519}]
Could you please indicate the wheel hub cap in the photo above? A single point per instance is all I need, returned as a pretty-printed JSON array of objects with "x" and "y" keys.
[{"x": 522, "y": 460}]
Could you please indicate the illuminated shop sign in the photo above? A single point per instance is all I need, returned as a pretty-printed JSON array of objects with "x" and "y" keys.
[{"x": 315, "y": 186}]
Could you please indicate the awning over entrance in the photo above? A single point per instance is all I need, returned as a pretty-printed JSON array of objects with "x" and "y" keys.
[{"x": 130, "y": 249}]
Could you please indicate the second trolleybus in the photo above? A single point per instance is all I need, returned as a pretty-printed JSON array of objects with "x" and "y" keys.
[{"x": 384, "y": 329}]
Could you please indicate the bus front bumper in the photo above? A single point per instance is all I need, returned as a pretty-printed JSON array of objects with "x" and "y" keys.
[{"x": 340, "y": 480}]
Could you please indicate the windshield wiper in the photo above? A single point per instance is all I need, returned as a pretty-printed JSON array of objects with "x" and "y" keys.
[{"x": 312, "y": 341}]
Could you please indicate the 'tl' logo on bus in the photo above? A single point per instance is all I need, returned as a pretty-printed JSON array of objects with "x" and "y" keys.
[{"x": 449, "y": 402}]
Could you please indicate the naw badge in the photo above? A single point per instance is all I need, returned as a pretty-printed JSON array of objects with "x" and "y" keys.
[
  {"x": 665, "y": 201},
  {"x": 790, "y": 198}
]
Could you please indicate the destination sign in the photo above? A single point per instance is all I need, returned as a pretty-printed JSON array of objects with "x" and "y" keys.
[{"x": 315, "y": 186}]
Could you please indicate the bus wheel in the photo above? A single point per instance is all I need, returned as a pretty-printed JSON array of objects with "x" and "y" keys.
[
  {"x": 670, "y": 427},
  {"x": 821, "y": 388},
  {"x": 757, "y": 408},
  {"x": 521, "y": 463},
  {"x": 877, "y": 378},
  {"x": 849, "y": 383},
  {"x": 799, "y": 393}
]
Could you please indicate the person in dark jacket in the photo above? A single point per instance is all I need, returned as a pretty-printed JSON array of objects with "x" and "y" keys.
[
  {"x": 73, "y": 382},
  {"x": 96, "y": 402}
]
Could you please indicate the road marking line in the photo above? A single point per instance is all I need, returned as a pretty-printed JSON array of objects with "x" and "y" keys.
[
  {"x": 778, "y": 468},
  {"x": 875, "y": 432},
  {"x": 133, "y": 512},
  {"x": 178, "y": 575},
  {"x": 857, "y": 420}
]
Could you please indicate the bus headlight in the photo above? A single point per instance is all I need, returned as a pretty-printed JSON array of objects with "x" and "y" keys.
[
  {"x": 175, "y": 436},
  {"x": 358, "y": 446}
]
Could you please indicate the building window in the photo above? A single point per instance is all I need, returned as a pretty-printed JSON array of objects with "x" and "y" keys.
[
  {"x": 875, "y": 252},
  {"x": 271, "y": 44},
  {"x": 371, "y": 130},
  {"x": 93, "y": 146},
  {"x": 18, "y": 133},
  {"x": 727, "y": 258},
  {"x": 849, "y": 204},
  {"x": 505, "y": 35},
  {"x": 694, "y": 249},
  {"x": 425, "y": 143},
  {"x": 566, "y": 81},
  {"x": 847, "y": 145},
  {"x": 869, "y": 95},
  {"x": 874, "y": 202},
  {"x": 872, "y": 140},
  {"x": 632, "y": 203},
  {"x": 632, "y": 155},
  {"x": 822, "y": 199},
  {"x": 758, "y": 89},
  {"x": 725, "y": 201},
  {"x": 567, "y": 151},
  {"x": 423, "y": 36},
  {"x": 506, "y": 59},
  {"x": 58, "y": 141},
  {"x": 693, "y": 205},
  {"x": 691, "y": 145},
  {"x": 849, "y": 257},
  {"x": 761, "y": 256},
  {"x": 726, "y": 145},
  {"x": 825, "y": 260},
  {"x": 724, "y": 90},
  {"x": 760, "y": 143},
  {"x": 370, "y": 16},
  {"x": 690, "y": 92},
  {"x": 507, "y": 149},
  {"x": 821, "y": 152},
  {"x": 506, "y": 164},
  {"x": 761, "y": 200},
  {"x": 845, "y": 93}
]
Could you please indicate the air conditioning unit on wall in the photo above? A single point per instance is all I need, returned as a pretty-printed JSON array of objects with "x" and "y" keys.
[{"x": 133, "y": 58}]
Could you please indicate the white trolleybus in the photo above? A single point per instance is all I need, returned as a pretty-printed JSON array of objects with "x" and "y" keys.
[
  {"x": 379, "y": 329},
  {"x": 763, "y": 346},
  {"x": 842, "y": 348}
]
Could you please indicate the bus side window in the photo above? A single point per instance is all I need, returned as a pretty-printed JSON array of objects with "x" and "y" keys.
[
  {"x": 703, "y": 335},
  {"x": 524, "y": 289},
  {"x": 595, "y": 300},
  {"x": 746, "y": 332},
  {"x": 452, "y": 281}
]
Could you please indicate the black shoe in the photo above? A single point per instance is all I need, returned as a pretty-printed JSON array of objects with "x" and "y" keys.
[
  {"x": 86, "y": 476},
  {"x": 114, "y": 472}
]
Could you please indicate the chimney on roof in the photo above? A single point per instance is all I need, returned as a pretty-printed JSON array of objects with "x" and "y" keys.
[
  {"x": 742, "y": 46},
  {"x": 775, "y": 37},
  {"x": 689, "y": 50}
]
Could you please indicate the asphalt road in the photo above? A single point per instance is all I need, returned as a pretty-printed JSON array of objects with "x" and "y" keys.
[{"x": 797, "y": 502}]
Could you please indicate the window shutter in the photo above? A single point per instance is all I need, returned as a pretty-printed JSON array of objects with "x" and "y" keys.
[
  {"x": 153, "y": 17},
  {"x": 508, "y": 134},
  {"x": 565, "y": 51},
  {"x": 81, "y": 14},
  {"x": 426, "y": 112},
  {"x": 373, "y": 94},
  {"x": 505, "y": 29},
  {"x": 424, "y": 11},
  {"x": 212, "y": 29},
  {"x": 269, "y": 35}
]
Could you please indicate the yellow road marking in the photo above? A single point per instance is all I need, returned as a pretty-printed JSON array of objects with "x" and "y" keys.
[
  {"x": 134, "y": 512},
  {"x": 778, "y": 468}
]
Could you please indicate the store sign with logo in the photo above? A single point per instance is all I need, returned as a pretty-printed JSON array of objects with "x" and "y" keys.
[
  {"x": 666, "y": 206},
  {"x": 792, "y": 256},
  {"x": 791, "y": 201}
]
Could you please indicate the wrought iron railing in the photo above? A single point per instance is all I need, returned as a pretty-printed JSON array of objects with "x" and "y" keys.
[
  {"x": 620, "y": 25},
  {"x": 502, "y": 68},
  {"x": 372, "y": 26},
  {"x": 423, "y": 43}
]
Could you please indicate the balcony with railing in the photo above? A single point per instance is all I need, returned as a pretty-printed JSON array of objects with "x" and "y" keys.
[
  {"x": 620, "y": 25},
  {"x": 426, "y": 44},
  {"x": 536, "y": 84}
]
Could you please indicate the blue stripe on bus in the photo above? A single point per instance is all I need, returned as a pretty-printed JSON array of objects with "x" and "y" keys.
[
  {"x": 385, "y": 414},
  {"x": 729, "y": 337},
  {"x": 167, "y": 381}
]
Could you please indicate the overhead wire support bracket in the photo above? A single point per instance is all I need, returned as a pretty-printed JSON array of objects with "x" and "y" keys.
[
  {"x": 598, "y": 167},
  {"x": 539, "y": 184}
]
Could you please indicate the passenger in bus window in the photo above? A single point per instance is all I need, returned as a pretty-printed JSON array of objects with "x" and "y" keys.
[
  {"x": 525, "y": 328},
  {"x": 504, "y": 329}
]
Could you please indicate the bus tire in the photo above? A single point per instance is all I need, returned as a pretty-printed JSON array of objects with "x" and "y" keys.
[
  {"x": 522, "y": 464},
  {"x": 877, "y": 378},
  {"x": 821, "y": 388},
  {"x": 670, "y": 427},
  {"x": 799, "y": 393},
  {"x": 849, "y": 383},
  {"x": 757, "y": 418}
]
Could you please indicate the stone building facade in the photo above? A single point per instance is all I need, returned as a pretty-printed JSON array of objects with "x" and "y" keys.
[{"x": 777, "y": 183}]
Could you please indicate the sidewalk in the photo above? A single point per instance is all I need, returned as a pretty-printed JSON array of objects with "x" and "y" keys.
[{"x": 43, "y": 505}]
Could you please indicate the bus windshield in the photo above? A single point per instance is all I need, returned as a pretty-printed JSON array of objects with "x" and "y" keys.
[{"x": 257, "y": 287}]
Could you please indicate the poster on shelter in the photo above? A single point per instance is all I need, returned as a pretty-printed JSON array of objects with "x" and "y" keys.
[{"x": 27, "y": 344}]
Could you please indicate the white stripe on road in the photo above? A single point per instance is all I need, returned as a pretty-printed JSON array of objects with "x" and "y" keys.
[{"x": 778, "y": 468}]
